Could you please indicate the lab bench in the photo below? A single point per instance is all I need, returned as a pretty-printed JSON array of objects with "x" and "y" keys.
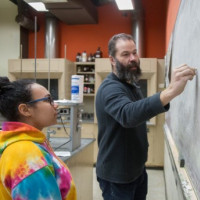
[{"x": 80, "y": 164}]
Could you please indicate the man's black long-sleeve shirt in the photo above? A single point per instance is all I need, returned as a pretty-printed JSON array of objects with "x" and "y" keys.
[{"x": 122, "y": 132}]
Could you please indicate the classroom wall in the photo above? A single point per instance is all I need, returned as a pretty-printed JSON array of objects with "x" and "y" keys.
[
  {"x": 155, "y": 26},
  {"x": 9, "y": 35},
  {"x": 78, "y": 38},
  {"x": 172, "y": 10}
]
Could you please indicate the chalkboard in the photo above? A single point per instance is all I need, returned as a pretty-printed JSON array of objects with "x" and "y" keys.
[{"x": 183, "y": 118}]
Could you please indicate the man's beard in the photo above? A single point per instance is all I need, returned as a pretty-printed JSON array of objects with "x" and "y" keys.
[{"x": 125, "y": 73}]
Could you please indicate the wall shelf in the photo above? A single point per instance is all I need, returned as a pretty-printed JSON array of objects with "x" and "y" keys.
[
  {"x": 88, "y": 95},
  {"x": 87, "y": 69},
  {"x": 85, "y": 73}
]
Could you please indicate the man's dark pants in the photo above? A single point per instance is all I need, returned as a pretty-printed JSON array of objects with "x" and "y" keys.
[{"x": 136, "y": 190}]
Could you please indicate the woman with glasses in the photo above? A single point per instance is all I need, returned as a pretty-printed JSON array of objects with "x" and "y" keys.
[{"x": 29, "y": 169}]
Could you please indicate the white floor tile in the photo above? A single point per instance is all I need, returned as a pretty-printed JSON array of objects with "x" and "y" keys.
[{"x": 156, "y": 185}]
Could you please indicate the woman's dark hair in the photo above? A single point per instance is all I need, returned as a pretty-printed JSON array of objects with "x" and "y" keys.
[
  {"x": 114, "y": 39},
  {"x": 11, "y": 95}
]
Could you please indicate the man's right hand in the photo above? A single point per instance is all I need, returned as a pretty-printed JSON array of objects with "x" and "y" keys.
[{"x": 179, "y": 78}]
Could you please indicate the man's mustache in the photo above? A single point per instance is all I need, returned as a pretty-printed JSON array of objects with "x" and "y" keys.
[{"x": 133, "y": 64}]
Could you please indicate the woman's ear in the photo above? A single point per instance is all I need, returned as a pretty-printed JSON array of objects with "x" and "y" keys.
[{"x": 24, "y": 110}]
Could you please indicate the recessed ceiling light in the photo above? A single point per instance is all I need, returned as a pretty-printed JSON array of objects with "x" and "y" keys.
[
  {"x": 55, "y": 1},
  {"x": 39, "y": 6},
  {"x": 124, "y": 4}
]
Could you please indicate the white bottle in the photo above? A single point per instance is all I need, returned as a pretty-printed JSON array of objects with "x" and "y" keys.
[
  {"x": 77, "y": 88},
  {"x": 84, "y": 56}
]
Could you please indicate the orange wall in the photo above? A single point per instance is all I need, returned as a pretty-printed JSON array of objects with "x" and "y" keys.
[
  {"x": 172, "y": 10},
  {"x": 40, "y": 39},
  {"x": 88, "y": 37},
  {"x": 78, "y": 38},
  {"x": 155, "y": 23}
]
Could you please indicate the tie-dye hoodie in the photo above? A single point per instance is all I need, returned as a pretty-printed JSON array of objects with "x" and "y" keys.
[{"x": 29, "y": 169}]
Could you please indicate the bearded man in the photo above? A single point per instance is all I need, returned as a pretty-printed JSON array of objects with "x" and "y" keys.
[{"x": 122, "y": 113}]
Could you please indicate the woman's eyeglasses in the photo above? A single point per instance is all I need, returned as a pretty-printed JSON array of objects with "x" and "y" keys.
[{"x": 48, "y": 99}]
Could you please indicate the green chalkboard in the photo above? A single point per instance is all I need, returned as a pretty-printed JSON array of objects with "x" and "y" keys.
[{"x": 183, "y": 118}]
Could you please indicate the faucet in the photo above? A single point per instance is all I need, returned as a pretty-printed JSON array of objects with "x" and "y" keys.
[{"x": 49, "y": 132}]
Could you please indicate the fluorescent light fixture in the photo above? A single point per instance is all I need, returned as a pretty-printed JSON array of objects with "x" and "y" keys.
[
  {"x": 124, "y": 4},
  {"x": 39, "y": 6},
  {"x": 55, "y": 1}
]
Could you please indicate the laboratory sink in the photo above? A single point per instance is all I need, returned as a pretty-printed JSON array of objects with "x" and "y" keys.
[{"x": 60, "y": 144}]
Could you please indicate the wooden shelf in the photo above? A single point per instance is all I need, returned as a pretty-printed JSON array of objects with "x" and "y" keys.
[
  {"x": 87, "y": 69},
  {"x": 87, "y": 83},
  {"x": 85, "y": 72},
  {"x": 88, "y": 95},
  {"x": 85, "y": 63}
]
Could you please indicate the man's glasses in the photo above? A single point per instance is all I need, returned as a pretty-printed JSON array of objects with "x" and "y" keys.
[{"x": 48, "y": 99}]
